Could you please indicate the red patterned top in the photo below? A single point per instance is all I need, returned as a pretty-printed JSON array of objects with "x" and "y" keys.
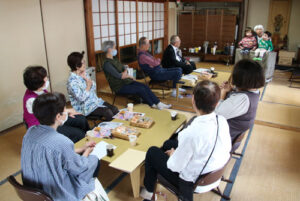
[{"x": 248, "y": 42}]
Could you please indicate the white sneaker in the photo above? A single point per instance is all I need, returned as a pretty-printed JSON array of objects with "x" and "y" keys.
[
  {"x": 162, "y": 106},
  {"x": 182, "y": 90},
  {"x": 146, "y": 194}
]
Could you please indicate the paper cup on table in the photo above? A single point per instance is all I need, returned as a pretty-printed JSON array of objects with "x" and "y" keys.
[
  {"x": 130, "y": 107},
  {"x": 132, "y": 139},
  {"x": 89, "y": 134},
  {"x": 173, "y": 115}
]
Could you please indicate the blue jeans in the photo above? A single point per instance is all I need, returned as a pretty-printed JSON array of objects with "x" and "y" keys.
[
  {"x": 246, "y": 50},
  {"x": 143, "y": 91},
  {"x": 162, "y": 74}
]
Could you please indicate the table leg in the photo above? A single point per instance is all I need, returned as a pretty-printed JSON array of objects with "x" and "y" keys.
[
  {"x": 177, "y": 91},
  {"x": 135, "y": 178}
]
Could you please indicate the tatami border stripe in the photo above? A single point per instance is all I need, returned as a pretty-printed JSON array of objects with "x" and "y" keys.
[
  {"x": 236, "y": 168},
  {"x": 115, "y": 182},
  {"x": 5, "y": 180},
  {"x": 263, "y": 93}
]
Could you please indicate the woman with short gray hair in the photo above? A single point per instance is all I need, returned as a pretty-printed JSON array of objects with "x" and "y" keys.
[
  {"x": 259, "y": 30},
  {"x": 122, "y": 83}
]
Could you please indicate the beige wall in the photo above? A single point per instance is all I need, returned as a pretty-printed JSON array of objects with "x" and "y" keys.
[
  {"x": 21, "y": 40},
  {"x": 258, "y": 13},
  {"x": 294, "y": 27},
  {"x": 172, "y": 19},
  {"x": 22, "y": 44},
  {"x": 64, "y": 33}
]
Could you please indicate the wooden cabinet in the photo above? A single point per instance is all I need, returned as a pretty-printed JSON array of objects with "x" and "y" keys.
[{"x": 195, "y": 28}]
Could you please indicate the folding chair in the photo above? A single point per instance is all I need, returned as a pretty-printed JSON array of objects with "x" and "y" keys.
[{"x": 27, "y": 193}]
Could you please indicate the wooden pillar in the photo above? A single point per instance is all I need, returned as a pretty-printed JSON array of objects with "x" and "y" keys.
[
  {"x": 241, "y": 21},
  {"x": 117, "y": 28},
  {"x": 89, "y": 33},
  {"x": 166, "y": 24}
]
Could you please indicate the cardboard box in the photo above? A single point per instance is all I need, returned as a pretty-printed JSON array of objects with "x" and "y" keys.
[
  {"x": 286, "y": 57},
  {"x": 285, "y": 60},
  {"x": 287, "y": 54}
]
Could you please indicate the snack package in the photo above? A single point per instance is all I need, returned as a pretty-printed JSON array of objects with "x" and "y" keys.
[
  {"x": 124, "y": 114},
  {"x": 124, "y": 131},
  {"x": 141, "y": 121}
]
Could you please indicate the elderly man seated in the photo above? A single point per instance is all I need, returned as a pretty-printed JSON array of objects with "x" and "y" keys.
[
  {"x": 173, "y": 57},
  {"x": 121, "y": 83},
  {"x": 152, "y": 67}
]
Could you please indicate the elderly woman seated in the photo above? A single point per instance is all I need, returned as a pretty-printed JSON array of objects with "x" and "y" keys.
[
  {"x": 49, "y": 160},
  {"x": 82, "y": 91},
  {"x": 121, "y": 83},
  {"x": 202, "y": 146}
]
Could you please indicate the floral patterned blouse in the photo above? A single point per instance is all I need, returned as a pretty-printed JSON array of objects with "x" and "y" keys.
[{"x": 83, "y": 101}]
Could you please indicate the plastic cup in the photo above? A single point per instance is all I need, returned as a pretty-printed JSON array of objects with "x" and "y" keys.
[
  {"x": 173, "y": 115},
  {"x": 130, "y": 107},
  {"x": 90, "y": 133},
  {"x": 110, "y": 150},
  {"x": 132, "y": 140}
]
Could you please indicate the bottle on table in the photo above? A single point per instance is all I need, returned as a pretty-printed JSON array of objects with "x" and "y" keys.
[{"x": 231, "y": 49}]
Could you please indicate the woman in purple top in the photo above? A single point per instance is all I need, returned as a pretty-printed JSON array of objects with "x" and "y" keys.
[
  {"x": 36, "y": 82},
  {"x": 240, "y": 96}
]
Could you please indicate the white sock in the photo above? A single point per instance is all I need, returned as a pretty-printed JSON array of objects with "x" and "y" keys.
[
  {"x": 162, "y": 105},
  {"x": 182, "y": 90},
  {"x": 154, "y": 106},
  {"x": 146, "y": 194}
]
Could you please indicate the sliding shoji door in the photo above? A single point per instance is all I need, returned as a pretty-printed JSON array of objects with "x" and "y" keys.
[
  {"x": 145, "y": 19},
  {"x": 127, "y": 22},
  {"x": 158, "y": 20},
  {"x": 158, "y": 28},
  {"x": 104, "y": 23}
]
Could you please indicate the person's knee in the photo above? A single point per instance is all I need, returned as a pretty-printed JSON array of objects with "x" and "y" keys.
[
  {"x": 81, "y": 119},
  {"x": 108, "y": 115},
  {"x": 178, "y": 73},
  {"x": 152, "y": 151}
]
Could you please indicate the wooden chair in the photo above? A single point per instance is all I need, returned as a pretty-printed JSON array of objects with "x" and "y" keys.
[
  {"x": 203, "y": 180},
  {"x": 236, "y": 144},
  {"x": 163, "y": 84},
  {"x": 28, "y": 194},
  {"x": 295, "y": 77},
  {"x": 94, "y": 119},
  {"x": 115, "y": 94}
]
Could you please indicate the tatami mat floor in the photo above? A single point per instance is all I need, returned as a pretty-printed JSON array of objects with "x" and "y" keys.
[{"x": 269, "y": 170}]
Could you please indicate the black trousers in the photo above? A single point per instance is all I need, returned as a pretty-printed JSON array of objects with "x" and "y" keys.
[
  {"x": 187, "y": 69},
  {"x": 74, "y": 128},
  {"x": 156, "y": 162},
  {"x": 107, "y": 112}
]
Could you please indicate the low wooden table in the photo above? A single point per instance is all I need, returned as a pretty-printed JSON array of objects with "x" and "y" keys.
[
  {"x": 161, "y": 131},
  {"x": 222, "y": 76}
]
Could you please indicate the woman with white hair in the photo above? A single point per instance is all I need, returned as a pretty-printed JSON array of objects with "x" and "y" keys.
[
  {"x": 259, "y": 30},
  {"x": 121, "y": 83}
]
